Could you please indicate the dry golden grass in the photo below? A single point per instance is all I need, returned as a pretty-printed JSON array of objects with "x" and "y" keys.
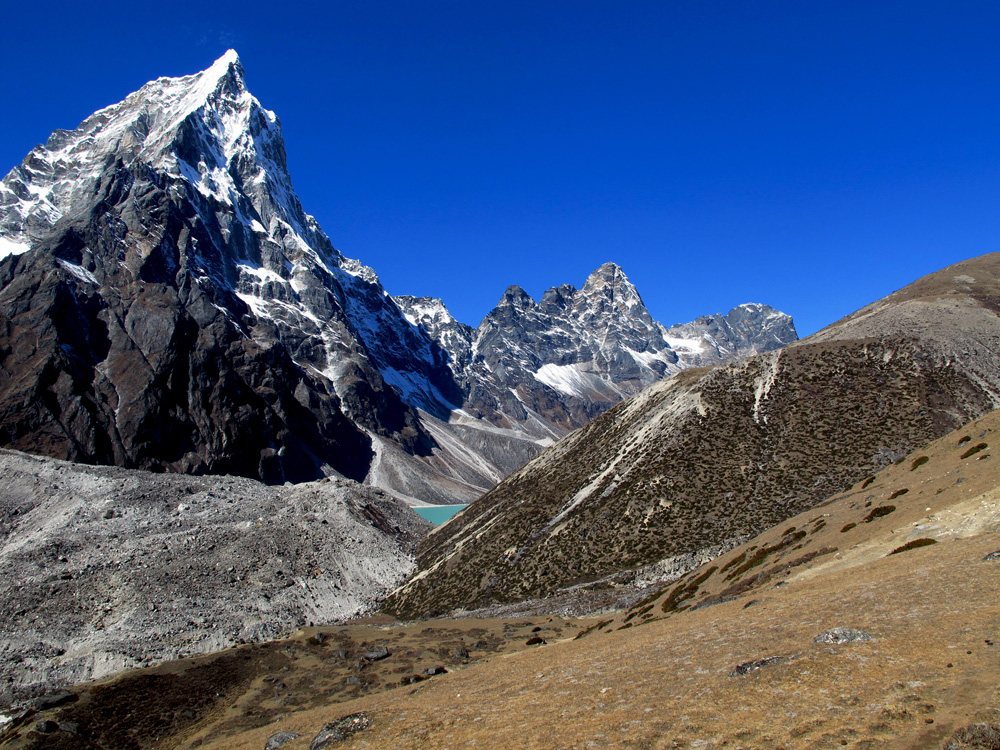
[
  {"x": 931, "y": 668},
  {"x": 666, "y": 684}
]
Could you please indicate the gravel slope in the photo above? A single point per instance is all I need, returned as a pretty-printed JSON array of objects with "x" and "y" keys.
[{"x": 105, "y": 569}]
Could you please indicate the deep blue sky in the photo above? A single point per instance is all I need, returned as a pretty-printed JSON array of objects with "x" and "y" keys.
[{"x": 811, "y": 155}]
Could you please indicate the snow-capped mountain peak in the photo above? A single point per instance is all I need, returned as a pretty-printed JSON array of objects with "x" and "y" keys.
[
  {"x": 550, "y": 366},
  {"x": 172, "y": 212},
  {"x": 153, "y": 127}
]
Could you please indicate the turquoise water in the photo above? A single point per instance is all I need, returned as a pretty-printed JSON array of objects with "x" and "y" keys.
[{"x": 438, "y": 514}]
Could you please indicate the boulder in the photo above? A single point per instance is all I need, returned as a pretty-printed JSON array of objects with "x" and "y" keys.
[
  {"x": 340, "y": 730},
  {"x": 752, "y": 666},
  {"x": 280, "y": 739},
  {"x": 843, "y": 635},
  {"x": 54, "y": 700},
  {"x": 376, "y": 653}
]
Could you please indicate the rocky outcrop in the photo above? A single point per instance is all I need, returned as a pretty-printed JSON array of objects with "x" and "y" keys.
[
  {"x": 713, "y": 454},
  {"x": 747, "y": 329}
]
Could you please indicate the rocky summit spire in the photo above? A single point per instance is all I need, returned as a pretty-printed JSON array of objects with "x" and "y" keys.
[
  {"x": 610, "y": 283},
  {"x": 199, "y": 319},
  {"x": 229, "y": 67},
  {"x": 192, "y": 127},
  {"x": 515, "y": 296}
]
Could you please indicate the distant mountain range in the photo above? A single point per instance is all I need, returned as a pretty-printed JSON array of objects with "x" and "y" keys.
[
  {"x": 167, "y": 304},
  {"x": 712, "y": 455}
]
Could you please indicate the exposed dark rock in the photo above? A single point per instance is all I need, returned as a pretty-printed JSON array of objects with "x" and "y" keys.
[
  {"x": 280, "y": 739},
  {"x": 843, "y": 635},
  {"x": 752, "y": 666},
  {"x": 340, "y": 730},
  {"x": 376, "y": 653},
  {"x": 179, "y": 311},
  {"x": 54, "y": 700},
  {"x": 713, "y": 601},
  {"x": 992, "y": 556},
  {"x": 45, "y": 726}
]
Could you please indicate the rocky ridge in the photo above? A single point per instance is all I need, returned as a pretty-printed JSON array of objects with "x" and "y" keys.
[
  {"x": 107, "y": 569},
  {"x": 713, "y": 454},
  {"x": 549, "y": 367}
]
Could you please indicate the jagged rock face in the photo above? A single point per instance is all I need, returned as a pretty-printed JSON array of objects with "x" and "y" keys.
[
  {"x": 572, "y": 355},
  {"x": 179, "y": 311},
  {"x": 551, "y": 366},
  {"x": 716, "y": 453},
  {"x": 744, "y": 330},
  {"x": 432, "y": 316}
]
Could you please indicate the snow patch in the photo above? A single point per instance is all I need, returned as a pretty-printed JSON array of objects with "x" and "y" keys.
[
  {"x": 262, "y": 308},
  {"x": 694, "y": 346},
  {"x": 568, "y": 379},
  {"x": 649, "y": 359},
  {"x": 415, "y": 389},
  {"x": 262, "y": 274},
  {"x": 257, "y": 305},
  {"x": 423, "y": 312},
  {"x": 79, "y": 272},
  {"x": 10, "y": 247}
]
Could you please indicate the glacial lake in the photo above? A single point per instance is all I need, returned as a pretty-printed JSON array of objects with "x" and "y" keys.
[{"x": 438, "y": 514}]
